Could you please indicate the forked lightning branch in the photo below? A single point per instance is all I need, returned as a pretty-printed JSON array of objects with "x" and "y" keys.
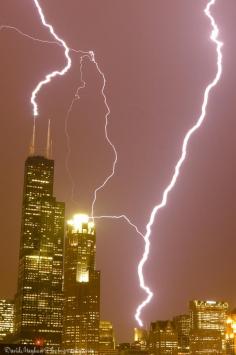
[{"x": 90, "y": 54}]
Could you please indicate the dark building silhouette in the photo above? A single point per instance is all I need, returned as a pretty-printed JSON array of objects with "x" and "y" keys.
[
  {"x": 163, "y": 338},
  {"x": 39, "y": 298},
  {"x": 130, "y": 349},
  {"x": 81, "y": 288},
  {"x": 207, "y": 327}
]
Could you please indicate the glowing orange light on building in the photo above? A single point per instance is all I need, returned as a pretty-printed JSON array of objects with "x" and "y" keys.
[{"x": 39, "y": 342}]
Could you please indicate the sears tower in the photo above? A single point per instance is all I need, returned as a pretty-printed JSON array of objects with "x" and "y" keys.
[{"x": 39, "y": 297}]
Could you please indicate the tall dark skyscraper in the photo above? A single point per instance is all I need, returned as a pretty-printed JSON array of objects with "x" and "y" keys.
[
  {"x": 39, "y": 298},
  {"x": 81, "y": 288}
]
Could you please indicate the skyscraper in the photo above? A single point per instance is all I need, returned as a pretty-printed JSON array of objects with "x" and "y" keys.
[
  {"x": 207, "y": 327},
  {"x": 81, "y": 288},
  {"x": 39, "y": 297}
]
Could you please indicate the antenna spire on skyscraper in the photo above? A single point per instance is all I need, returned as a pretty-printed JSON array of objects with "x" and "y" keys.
[
  {"x": 49, "y": 141},
  {"x": 51, "y": 149},
  {"x": 32, "y": 145}
]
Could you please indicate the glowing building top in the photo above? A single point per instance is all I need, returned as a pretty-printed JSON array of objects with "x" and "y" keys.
[
  {"x": 81, "y": 288},
  {"x": 207, "y": 326},
  {"x": 81, "y": 223}
]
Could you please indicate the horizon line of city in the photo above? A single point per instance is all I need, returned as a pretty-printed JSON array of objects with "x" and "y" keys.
[{"x": 57, "y": 303}]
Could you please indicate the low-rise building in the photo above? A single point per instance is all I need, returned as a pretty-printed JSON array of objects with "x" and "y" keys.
[
  {"x": 6, "y": 318},
  {"x": 163, "y": 338}
]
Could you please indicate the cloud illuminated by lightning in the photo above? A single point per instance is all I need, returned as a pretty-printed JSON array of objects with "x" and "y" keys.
[{"x": 156, "y": 209}]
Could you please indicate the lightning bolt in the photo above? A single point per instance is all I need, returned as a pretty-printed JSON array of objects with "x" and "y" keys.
[
  {"x": 8, "y": 27},
  {"x": 55, "y": 73},
  {"x": 157, "y": 208},
  {"x": 91, "y": 56},
  {"x": 36, "y": 39},
  {"x": 108, "y": 140},
  {"x": 62, "y": 72},
  {"x": 76, "y": 97},
  {"x": 128, "y": 220}
]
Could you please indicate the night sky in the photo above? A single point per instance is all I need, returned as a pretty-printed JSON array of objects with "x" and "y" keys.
[{"x": 157, "y": 58}]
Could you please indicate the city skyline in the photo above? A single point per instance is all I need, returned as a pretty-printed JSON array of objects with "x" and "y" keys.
[
  {"x": 199, "y": 221},
  {"x": 42, "y": 220},
  {"x": 208, "y": 326}
]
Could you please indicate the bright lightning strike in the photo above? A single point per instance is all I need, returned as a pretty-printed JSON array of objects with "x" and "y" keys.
[
  {"x": 56, "y": 72},
  {"x": 90, "y": 54},
  {"x": 156, "y": 209},
  {"x": 62, "y": 72}
]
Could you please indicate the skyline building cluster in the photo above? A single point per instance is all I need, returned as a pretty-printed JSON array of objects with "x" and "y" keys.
[
  {"x": 57, "y": 303},
  {"x": 208, "y": 328}
]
